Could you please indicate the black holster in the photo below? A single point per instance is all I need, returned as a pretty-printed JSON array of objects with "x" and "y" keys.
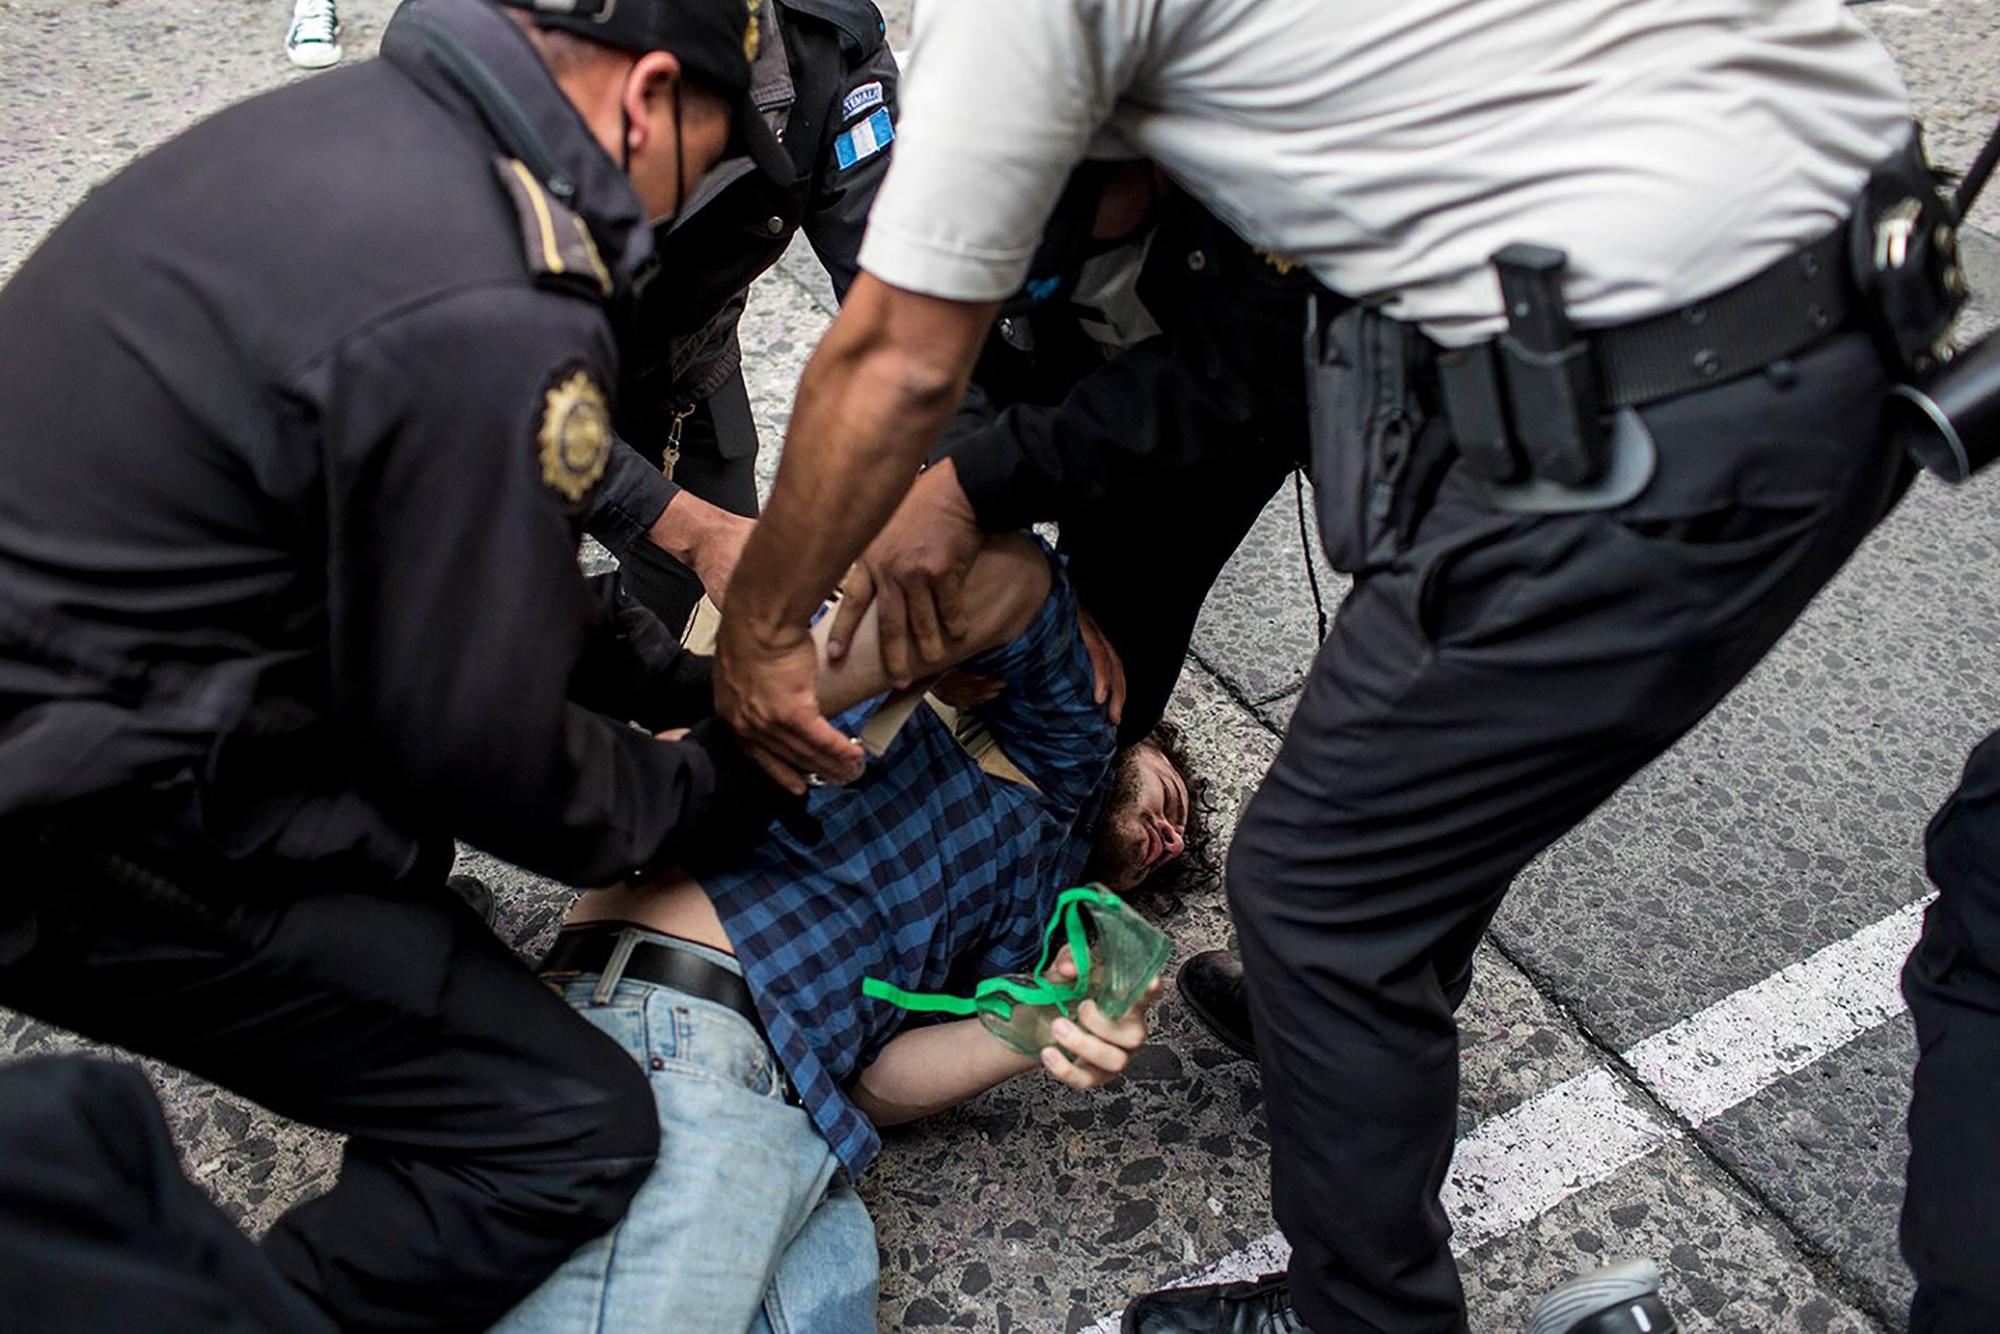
[{"x": 1365, "y": 421}]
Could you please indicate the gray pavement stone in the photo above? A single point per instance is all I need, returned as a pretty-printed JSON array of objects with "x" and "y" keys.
[
  {"x": 1049, "y": 1206},
  {"x": 1724, "y": 1267},
  {"x": 1513, "y": 1044},
  {"x": 529, "y": 908},
  {"x": 1258, "y": 631},
  {"x": 896, "y": 14},
  {"x": 1827, "y": 1147},
  {"x": 802, "y": 266},
  {"x": 113, "y": 78},
  {"x": 1790, "y": 817},
  {"x": 1981, "y": 254},
  {"x": 1277, "y": 713},
  {"x": 781, "y": 326},
  {"x": 1947, "y": 51}
]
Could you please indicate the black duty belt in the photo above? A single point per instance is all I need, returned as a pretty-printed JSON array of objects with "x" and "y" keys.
[
  {"x": 1536, "y": 403},
  {"x": 593, "y": 947},
  {"x": 1773, "y": 314}
]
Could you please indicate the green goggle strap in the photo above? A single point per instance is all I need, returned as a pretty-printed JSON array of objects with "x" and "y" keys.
[{"x": 999, "y": 995}]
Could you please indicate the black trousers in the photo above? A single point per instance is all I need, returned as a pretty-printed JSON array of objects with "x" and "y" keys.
[
  {"x": 1144, "y": 560},
  {"x": 1490, "y": 679},
  {"x": 102, "y": 1232},
  {"x": 492, "y": 1131},
  {"x": 718, "y": 463},
  {"x": 1951, "y": 1215}
]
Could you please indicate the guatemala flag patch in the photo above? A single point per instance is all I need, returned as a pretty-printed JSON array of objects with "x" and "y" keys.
[{"x": 865, "y": 140}]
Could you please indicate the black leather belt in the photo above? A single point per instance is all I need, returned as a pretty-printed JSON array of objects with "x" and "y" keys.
[
  {"x": 1773, "y": 314},
  {"x": 594, "y": 947}
]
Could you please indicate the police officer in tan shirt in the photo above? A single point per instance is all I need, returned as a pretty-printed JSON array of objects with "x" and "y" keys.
[{"x": 1568, "y": 542}]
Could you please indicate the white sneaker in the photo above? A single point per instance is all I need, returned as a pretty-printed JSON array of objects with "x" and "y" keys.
[{"x": 313, "y": 40}]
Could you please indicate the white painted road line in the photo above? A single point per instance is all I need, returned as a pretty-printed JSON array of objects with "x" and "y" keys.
[
  {"x": 1515, "y": 1167},
  {"x": 1748, "y": 1041},
  {"x": 1510, "y": 1170}
]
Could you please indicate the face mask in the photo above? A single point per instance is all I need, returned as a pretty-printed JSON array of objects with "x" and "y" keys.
[
  {"x": 1106, "y": 297},
  {"x": 1117, "y": 953}
]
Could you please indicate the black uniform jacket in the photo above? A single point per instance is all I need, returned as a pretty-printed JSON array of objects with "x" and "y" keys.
[
  {"x": 825, "y": 66},
  {"x": 1212, "y": 343},
  {"x": 298, "y": 417}
]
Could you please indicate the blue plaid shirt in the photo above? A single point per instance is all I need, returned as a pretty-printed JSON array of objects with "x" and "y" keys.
[{"x": 930, "y": 874}]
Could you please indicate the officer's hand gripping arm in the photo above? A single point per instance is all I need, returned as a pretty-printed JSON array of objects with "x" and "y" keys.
[{"x": 872, "y": 400}]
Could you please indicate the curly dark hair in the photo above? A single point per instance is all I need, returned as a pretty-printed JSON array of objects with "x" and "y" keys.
[{"x": 1170, "y": 741}]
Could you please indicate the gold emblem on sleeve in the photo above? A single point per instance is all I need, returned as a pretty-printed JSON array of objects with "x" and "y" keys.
[{"x": 575, "y": 436}]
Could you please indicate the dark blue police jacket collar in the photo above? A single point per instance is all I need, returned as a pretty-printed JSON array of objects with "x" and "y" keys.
[{"x": 469, "y": 55}]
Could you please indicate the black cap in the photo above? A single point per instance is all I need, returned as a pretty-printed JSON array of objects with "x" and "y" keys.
[{"x": 715, "y": 41}]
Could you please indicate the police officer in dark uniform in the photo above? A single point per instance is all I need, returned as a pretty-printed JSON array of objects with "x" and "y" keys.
[
  {"x": 297, "y": 449},
  {"x": 825, "y": 80},
  {"x": 1134, "y": 391},
  {"x": 1951, "y": 1226}
]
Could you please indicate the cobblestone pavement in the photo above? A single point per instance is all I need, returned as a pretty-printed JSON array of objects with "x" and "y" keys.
[{"x": 1684, "y": 1039}]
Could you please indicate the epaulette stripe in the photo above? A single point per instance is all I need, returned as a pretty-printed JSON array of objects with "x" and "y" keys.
[
  {"x": 590, "y": 253},
  {"x": 551, "y": 255}
]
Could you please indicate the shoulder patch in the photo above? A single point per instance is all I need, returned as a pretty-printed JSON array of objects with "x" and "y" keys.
[
  {"x": 864, "y": 140},
  {"x": 554, "y": 239},
  {"x": 573, "y": 437},
  {"x": 864, "y": 98}
]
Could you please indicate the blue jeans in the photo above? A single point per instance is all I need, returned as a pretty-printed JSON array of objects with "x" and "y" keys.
[{"x": 746, "y": 1225}]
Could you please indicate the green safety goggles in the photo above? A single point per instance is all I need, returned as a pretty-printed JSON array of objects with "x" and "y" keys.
[{"x": 1117, "y": 954}]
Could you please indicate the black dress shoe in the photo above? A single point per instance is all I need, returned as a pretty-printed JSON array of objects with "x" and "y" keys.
[
  {"x": 1212, "y": 986},
  {"x": 1263, "y": 1307}
]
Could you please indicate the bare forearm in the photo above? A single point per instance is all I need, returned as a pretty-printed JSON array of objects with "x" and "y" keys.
[
  {"x": 927, "y": 1070},
  {"x": 872, "y": 402},
  {"x": 1004, "y": 589}
]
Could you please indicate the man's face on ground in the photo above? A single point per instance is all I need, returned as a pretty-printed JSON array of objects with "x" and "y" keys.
[{"x": 1145, "y": 826}]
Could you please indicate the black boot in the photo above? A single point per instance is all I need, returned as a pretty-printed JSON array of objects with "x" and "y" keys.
[
  {"x": 1617, "y": 1299},
  {"x": 1263, "y": 1307},
  {"x": 1212, "y": 986}
]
